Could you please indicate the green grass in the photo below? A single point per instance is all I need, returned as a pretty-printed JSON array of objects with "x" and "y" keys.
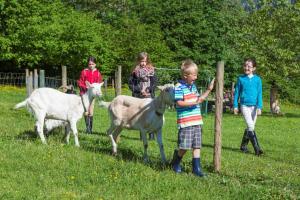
[{"x": 31, "y": 170}]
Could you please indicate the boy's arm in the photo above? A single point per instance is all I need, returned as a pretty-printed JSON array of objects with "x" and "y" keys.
[
  {"x": 206, "y": 93},
  {"x": 199, "y": 99}
]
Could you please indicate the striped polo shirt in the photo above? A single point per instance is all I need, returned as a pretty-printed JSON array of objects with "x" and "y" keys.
[{"x": 188, "y": 115}]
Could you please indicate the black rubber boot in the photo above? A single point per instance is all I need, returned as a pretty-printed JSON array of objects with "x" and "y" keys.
[
  {"x": 91, "y": 124},
  {"x": 197, "y": 169},
  {"x": 245, "y": 142},
  {"x": 254, "y": 142},
  {"x": 176, "y": 162},
  {"x": 87, "y": 124},
  {"x": 151, "y": 136}
]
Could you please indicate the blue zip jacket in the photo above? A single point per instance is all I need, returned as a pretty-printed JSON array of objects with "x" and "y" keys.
[{"x": 249, "y": 91}]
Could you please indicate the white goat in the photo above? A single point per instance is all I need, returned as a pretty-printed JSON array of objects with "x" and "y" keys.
[
  {"x": 48, "y": 103},
  {"x": 51, "y": 124},
  {"x": 145, "y": 115}
]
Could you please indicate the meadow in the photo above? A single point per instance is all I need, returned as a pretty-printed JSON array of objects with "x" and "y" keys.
[{"x": 31, "y": 170}]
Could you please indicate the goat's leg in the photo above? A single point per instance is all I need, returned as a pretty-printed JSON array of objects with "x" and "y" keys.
[
  {"x": 145, "y": 142},
  {"x": 161, "y": 146},
  {"x": 114, "y": 144},
  {"x": 75, "y": 133},
  {"x": 116, "y": 134},
  {"x": 67, "y": 133},
  {"x": 110, "y": 133},
  {"x": 40, "y": 125}
]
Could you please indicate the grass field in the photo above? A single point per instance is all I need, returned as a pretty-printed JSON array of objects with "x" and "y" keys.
[{"x": 30, "y": 170}]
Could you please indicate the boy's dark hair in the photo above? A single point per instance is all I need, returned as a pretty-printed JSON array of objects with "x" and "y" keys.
[
  {"x": 250, "y": 60},
  {"x": 91, "y": 58}
]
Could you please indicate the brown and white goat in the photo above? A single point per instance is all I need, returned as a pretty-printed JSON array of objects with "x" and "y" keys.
[{"x": 145, "y": 115}]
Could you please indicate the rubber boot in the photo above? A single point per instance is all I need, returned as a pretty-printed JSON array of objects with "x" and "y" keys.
[
  {"x": 87, "y": 124},
  {"x": 245, "y": 142},
  {"x": 254, "y": 142},
  {"x": 197, "y": 169},
  {"x": 91, "y": 124},
  {"x": 260, "y": 150},
  {"x": 151, "y": 136},
  {"x": 176, "y": 162},
  {"x": 141, "y": 138}
]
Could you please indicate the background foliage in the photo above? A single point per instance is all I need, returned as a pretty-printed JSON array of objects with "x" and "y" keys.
[{"x": 48, "y": 34}]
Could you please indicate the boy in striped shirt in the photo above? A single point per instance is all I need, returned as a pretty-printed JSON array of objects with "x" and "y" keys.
[{"x": 189, "y": 119}]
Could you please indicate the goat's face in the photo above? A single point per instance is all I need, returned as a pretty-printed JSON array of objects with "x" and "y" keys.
[
  {"x": 167, "y": 92},
  {"x": 95, "y": 89}
]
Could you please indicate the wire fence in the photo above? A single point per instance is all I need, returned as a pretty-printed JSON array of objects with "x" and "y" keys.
[
  {"x": 19, "y": 80},
  {"x": 13, "y": 79}
]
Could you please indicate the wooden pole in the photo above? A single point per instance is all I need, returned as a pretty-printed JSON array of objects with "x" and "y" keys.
[
  {"x": 35, "y": 79},
  {"x": 118, "y": 78},
  {"x": 218, "y": 116},
  {"x": 27, "y": 82},
  {"x": 113, "y": 83},
  {"x": 64, "y": 77},
  {"x": 30, "y": 88},
  {"x": 105, "y": 87},
  {"x": 42, "y": 78}
]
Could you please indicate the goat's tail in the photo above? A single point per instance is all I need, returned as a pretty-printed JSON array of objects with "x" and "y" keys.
[
  {"x": 104, "y": 104},
  {"x": 22, "y": 104}
]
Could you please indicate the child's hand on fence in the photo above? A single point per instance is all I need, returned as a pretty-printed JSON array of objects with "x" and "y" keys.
[{"x": 211, "y": 85}]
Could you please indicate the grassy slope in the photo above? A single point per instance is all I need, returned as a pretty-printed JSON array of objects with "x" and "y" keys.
[{"x": 30, "y": 170}]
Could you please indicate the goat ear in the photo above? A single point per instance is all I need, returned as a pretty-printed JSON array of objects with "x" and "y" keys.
[{"x": 101, "y": 84}]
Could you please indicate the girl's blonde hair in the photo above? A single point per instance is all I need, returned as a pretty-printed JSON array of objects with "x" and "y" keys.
[
  {"x": 142, "y": 56},
  {"x": 187, "y": 67}
]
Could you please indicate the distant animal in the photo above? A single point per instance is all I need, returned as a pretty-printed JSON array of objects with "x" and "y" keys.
[
  {"x": 145, "y": 115},
  {"x": 48, "y": 103}
]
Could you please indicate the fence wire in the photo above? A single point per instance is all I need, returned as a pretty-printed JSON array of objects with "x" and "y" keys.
[
  {"x": 19, "y": 80},
  {"x": 13, "y": 79}
]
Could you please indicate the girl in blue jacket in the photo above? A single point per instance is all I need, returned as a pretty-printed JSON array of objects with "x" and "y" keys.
[{"x": 249, "y": 91}]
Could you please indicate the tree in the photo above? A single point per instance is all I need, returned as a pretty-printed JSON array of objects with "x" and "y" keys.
[
  {"x": 272, "y": 36},
  {"x": 49, "y": 34}
]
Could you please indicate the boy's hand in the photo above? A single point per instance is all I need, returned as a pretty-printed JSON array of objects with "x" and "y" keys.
[
  {"x": 235, "y": 111},
  {"x": 258, "y": 111},
  {"x": 211, "y": 85}
]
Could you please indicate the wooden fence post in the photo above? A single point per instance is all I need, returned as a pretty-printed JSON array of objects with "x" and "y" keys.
[
  {"x": 118, "y": 78},
  {"x": 28, "y": 82},
  {"x": 42, "y": 78},
  {"x": 64, "y": 77},
  {"x": 113, "y": 83},
  {"x": 35, "y": 79},
  {"x": 218, "y": 116},
  {"x": 105, "y": 87}
]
